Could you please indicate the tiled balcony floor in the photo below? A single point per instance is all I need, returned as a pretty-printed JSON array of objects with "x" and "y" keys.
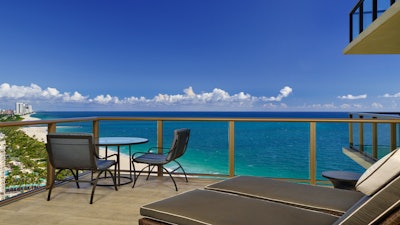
[{"x": 69, "y": 205}]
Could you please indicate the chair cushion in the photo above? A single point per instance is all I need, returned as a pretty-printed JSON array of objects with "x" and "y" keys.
[
  {"x": 334, "y": 201},
  {"x": 104, "y": 164},
  {"x": 380, "y": 173},
  {"x": 151, "y": 158},
  {"x": 200, "y": 207}
]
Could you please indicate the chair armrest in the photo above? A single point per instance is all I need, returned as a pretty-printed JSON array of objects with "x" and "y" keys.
[
  {"x": 134, "y": 155},
  {"x": 106, "y": 157},
  {"x": 152, "y": 149}
]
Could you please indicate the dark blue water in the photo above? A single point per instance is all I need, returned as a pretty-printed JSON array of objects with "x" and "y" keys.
[{"x": 274, "y": 149}]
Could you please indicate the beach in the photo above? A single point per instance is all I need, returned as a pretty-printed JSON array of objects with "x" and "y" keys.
[{"x": 39, "y": 133}]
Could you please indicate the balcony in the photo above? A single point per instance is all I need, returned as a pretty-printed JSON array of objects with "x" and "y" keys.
[
  {"x": 70, "y": 205},
  {"x": 374, "y": 28}
]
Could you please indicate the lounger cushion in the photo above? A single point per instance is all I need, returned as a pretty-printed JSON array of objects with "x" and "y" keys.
[
  {"x": 334, "y": 201},
  {"x": 372, "y": 208},
  {"x": 211, "y": 207},
  {"x": 380, "y": 173}
]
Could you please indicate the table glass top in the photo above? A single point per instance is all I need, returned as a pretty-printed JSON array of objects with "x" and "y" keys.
[{"x": 122, "y": 140}]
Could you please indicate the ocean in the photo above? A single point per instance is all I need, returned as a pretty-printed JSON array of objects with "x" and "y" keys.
[{"x": 277, "y": 149}]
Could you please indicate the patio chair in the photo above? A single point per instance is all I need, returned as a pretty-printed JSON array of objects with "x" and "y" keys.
[
  {"x": 152, "y": 159},
  {"x": 378, "y": 203},
  {"x": 74, "y": 152}
]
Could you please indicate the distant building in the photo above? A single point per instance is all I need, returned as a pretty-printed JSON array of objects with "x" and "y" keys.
[
  {"x": 22, "y": 108},
  {"x": 7, "y": 112},
  {"x": 2, "y": 168}
]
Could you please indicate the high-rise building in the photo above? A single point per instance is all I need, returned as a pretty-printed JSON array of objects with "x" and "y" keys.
[{"x": 22, "y": 108}]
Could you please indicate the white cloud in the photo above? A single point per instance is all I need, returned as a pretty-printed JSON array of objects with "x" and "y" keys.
[
  {"x": 107, "y": 99},
  {"x": 189, "y": 99},
  {"x": 76, "y": 97},
  {"x": 376, "y": 105},
  {"x": 283, "y": 94},
  {"x": 352, "y": 97},
  {"x": 17, "y": 92},
  {"x": 397, "y": 95}
]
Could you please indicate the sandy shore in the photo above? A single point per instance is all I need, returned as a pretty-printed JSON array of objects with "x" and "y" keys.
[{"x": 39, "y": 133}]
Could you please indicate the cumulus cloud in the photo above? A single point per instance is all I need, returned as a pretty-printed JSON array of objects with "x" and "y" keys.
[
  {"x": 376, "y": 105},
  {"x": 285, "y": 92},
  {"x": 106, "y": 99},
  {"x": 216, "y": 98},
  {"x": 352, "y": 97},
  {"x": 18, "y": 92},
  {"x": 397, "y": 95}
]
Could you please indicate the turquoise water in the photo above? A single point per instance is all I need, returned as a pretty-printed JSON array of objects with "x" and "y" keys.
[{"x": 263, "y": 149}]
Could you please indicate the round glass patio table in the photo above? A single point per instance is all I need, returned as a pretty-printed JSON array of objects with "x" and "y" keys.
[{"x": 118, "y": 142}]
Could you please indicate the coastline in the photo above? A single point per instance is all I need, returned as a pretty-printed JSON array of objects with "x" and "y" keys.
[
  {"x": 37, "y": 132},
  {"x": 40, "y": 133}
]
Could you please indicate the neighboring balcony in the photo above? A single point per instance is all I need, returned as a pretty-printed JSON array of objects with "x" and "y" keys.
[{"x": 374, "y": 28}]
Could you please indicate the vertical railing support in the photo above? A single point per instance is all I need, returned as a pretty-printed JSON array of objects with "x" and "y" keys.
[
  {"x": 374, "y": 139},
  {"x": 374, "y": 9},
  {"x": 313, "y": 153},
  {"x": 51, "y": 128},
  {"x": 231, "y": 148},
  {"x": 96, "y": 129},
  {"x": 361, "y": 132},
  {"x": 361, "y": 18},
  {"x": 351, "y": 136},
  {"x": 96, "y": 132},
  {"x": 160, "y": 144},
  {"x": 393, "y": 144}
]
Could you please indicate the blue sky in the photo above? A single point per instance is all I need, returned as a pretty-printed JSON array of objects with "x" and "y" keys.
[{"x": 220, "y": 55}]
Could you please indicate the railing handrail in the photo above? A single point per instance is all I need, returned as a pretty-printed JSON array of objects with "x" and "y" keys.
[{"x": 87, "y": 119}]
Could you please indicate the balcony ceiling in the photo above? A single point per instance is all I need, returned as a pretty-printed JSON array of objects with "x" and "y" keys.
[{"x": 381, "y": 37}]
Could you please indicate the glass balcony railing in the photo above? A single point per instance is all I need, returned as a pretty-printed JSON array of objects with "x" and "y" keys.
[
  {"x": 274, "y": 142},
  {"x": 364, "y": 13}
]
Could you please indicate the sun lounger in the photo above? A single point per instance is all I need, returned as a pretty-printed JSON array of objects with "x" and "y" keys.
[
  {"x": 379, "y": 202},
  {"x": 210, "y": 207},
  {"x": 329, "y": 200}
]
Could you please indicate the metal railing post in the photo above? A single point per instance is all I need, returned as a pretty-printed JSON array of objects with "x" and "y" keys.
[
  {"x": 361, "y": 132},
  {"x": 351, "y": 136},
  {"x": 96, "y": 129},
  {"x": 361, "y": 18},
  {"x": 393, "y": 144},
  {"x": 231, "y": 148},
  {"x": 374, "y": 9},
  {"x": 374, "y": 139},
  {"x": 51, "y": 128},
  {"x": 160, "y": 144},
  {"x": 313, "y": 153}
]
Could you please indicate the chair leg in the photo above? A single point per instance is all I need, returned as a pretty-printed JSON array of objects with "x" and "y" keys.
[
  {"x": 94, "y": 183},
  {"x": 51, "y": 187},
  {"x": 184, "y": 172},
  {"x": 173, "y": 180},
  {"x": 137, "y": 177},
  {"x": 52, "y": 184},
  {"x": 113, "y": 176},
  {"x": 134, "y": 170},
  {"x": 148, "y": 174},
  {"x": 75, "y": 177}
]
